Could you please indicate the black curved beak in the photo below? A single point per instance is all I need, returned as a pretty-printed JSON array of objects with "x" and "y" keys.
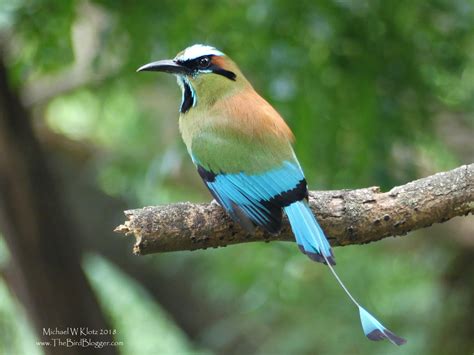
[{"x": 167, "y": 66}]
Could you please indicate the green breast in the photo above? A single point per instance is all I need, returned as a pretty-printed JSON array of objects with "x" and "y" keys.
[{"x": 220, "y": 148}]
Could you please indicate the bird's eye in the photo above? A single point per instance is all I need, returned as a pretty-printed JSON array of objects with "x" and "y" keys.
[{"x": 204, "y": 63}]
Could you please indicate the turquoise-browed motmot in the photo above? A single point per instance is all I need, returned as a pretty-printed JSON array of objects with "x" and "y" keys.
[{"x": 242, "y": 149}]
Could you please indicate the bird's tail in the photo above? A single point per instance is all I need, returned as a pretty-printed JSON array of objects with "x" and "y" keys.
[
  {"x": 312, "y": 242},
  {"x": 309, "y": 235}
]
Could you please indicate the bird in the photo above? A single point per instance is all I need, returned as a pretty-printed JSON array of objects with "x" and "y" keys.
[{"x": 242, "y": 149}]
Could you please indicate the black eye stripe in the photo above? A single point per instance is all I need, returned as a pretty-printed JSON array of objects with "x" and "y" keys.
[
  {"x": 195, "y": 66},
  {"x": 227, "y": 73}
]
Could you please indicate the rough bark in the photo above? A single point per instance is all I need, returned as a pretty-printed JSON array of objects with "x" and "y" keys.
[
  {"x": 44, "y": 271},
  {"x": 347, "y": 216}
]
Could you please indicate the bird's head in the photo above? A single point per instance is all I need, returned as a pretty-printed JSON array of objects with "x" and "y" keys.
[{"x": 204, "y": 74}]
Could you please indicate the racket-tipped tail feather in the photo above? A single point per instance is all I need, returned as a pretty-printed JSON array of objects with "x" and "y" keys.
[{"x": 374, "y": 330}]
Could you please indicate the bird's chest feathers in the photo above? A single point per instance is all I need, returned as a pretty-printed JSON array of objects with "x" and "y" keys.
[
  {"x": 231, "y": 133},
  {"x": 193, "y": 124}
]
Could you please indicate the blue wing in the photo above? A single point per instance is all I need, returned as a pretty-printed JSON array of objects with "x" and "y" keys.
[
  {"x": 259, "y": 200},
  {"x": 260, "y": 197}
]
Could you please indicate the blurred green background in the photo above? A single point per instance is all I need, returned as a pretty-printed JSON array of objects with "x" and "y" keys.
[{"x": 376, "y": 92}]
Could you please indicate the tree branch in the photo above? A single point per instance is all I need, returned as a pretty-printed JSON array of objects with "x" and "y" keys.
[{"x": 347, "y": 216}]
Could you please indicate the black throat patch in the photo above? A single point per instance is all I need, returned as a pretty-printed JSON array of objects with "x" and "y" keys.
[{"x": 188, "y": 97}]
